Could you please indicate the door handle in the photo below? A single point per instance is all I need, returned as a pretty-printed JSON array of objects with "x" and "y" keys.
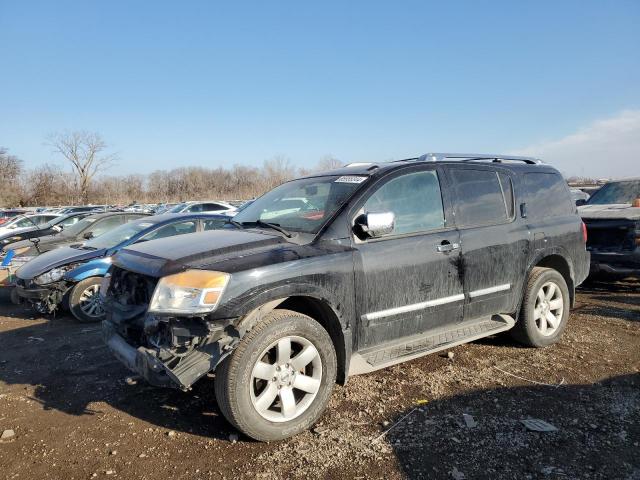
[{"x": 446, "y": 246}]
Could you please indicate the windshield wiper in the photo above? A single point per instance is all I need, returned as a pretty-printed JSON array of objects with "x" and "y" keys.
[
  {"x": 234, "y": 223},
  {"x": 275, "y": 227}
]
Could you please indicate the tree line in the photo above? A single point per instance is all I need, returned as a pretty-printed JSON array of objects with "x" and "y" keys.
[{"x": 91, "y": 181}]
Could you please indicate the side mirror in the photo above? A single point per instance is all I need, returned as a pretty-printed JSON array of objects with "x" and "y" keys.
[
  {"x": 88, "y": 235},
  {"x": 374, "y": 225},
  {"x": 57, "y": 228}
]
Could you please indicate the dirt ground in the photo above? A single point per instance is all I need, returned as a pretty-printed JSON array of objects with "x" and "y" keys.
[{"x": 76, "y": 417}]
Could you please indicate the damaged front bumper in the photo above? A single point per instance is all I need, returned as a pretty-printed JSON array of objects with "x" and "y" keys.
[
  {"x": 169, "y": 352},
  {"x": 44, "y": 298}
]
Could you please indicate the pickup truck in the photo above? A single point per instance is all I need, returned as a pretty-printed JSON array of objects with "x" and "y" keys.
[{"x": 612, "y": 216}]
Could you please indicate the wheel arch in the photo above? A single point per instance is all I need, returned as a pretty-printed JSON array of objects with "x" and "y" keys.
[
  {"x": 563, "y": 266},
  {"x": 320, "y": 310}
]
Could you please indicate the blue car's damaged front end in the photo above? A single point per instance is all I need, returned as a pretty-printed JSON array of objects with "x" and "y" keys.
[
  {"x": 46, "y": 280},
  {"x": 71, "y": 276}
]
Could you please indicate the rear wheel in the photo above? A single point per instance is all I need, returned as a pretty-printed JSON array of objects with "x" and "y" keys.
[
  {"x": 545, "y": 309},
  {"x": 84, "y": 300},
  {"x": 279, "y": 379}
]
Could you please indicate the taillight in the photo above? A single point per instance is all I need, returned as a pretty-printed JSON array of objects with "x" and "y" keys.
[{"x": 584, "y": 232}]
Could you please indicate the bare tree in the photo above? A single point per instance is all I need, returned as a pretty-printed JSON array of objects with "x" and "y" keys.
[
  {"x": 85, "y": 151},
  {"x": 277, "y": 170},
  {"x": 329, "y": 162},
  {"x": 10, "y": 172}
]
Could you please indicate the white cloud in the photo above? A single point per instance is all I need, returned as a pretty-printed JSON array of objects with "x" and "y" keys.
[{"x": 607, "y": 148}]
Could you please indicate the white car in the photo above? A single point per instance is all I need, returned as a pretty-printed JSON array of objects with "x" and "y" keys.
[
  {"x": 213, "y": 206},
  {"x": 26, "y": 221},
  {"x": 286, "y": 206}
]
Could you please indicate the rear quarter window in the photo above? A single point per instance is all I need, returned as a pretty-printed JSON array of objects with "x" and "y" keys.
[{"x": 547, "y": 195}]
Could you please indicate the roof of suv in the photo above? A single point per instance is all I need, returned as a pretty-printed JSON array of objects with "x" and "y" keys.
[{"x": 509, "y": 161}]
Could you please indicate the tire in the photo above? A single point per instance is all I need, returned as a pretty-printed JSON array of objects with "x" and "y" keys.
[
  {"x": 78, "y": 304},
  {"x": 15, "y": 298},
  {"x": 546, "y": 293},
  {"x": 239, "y": 381}
]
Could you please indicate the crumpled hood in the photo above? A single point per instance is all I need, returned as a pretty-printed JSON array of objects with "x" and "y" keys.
[
  {"x": 56, "y": 258},
  {"x": 195, "y": 250},
  {"x": 612, "y": 211}
]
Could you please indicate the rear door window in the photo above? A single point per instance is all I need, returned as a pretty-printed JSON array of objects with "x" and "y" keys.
[
  {"x": 547, "y": 195},
  {"x": 478, "y": 197}
]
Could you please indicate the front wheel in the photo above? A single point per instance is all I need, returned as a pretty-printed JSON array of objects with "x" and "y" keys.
[
  {"x": 545, "y": 309},
  {"x": 84, "y": 300},
  {"x": 279, "y": 379}
]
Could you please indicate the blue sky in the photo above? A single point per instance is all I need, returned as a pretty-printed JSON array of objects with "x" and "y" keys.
[{"x": 171, "y": 84}]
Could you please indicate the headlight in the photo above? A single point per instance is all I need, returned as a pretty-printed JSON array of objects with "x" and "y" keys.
[
  {"x": 51, "y": 276},
  {"x": 192, "y": 291}
]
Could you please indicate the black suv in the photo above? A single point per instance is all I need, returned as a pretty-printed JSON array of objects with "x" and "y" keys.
[{"x": 347, "y": 272}]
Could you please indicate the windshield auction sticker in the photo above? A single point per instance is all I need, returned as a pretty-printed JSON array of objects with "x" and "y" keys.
[{"x": 350, "y": 179}]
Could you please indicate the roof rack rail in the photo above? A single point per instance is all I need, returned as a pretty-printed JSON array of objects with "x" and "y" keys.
[{"x": 473, "y": 157}]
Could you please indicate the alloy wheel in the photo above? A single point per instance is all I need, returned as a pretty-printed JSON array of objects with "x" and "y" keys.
[
  {"x": 549, "y": 308},
  {"x": 286, "y": 379},
  {"x": 90, "y": 302}
]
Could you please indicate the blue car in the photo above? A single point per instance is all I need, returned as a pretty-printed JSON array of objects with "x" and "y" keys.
[{"x": 71, "y": 276}]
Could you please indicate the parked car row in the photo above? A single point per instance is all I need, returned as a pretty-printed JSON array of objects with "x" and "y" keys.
[
  {"x": 28, "y": 235},
  {"x": 331, "y": 275},
  {"x": 70, "y": 276}
]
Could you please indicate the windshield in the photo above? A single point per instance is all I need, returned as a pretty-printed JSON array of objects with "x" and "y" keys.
[
  {"x": 29, "y": 221},
  {"x": 616, "y": 192},
  {"x": 118, "y": 235},
  {"x": 79, "y": 227},
  {"x": 52, "y": 222},
  {"x": 301, "y": 205},
  {"x": 13, "y": 223},
  {"x": 178, "y": 208}
]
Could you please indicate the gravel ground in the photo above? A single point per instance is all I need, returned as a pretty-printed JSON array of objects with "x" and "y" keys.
[{"x": 74, "y": 415}]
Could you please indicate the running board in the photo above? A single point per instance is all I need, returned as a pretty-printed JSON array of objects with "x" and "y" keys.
[{"x": 408, "y": 348}]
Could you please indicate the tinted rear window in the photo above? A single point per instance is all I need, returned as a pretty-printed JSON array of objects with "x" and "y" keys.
[
  {"x": 478, "y": 197},
  {"x": 547, "y": 195}
]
